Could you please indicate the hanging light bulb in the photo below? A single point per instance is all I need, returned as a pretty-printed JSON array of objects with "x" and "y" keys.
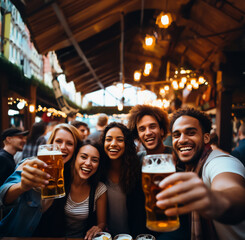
[
  {"x": 166, "y": 88},
  {"x": 181, "y": 85},
  {"x": 162, "y": 91},
  {"x": 120, "y": 107},
  {"x": 164, "y": 20},
  {"x": 193, "y": 81},
  {"x": 201, "y": 80},
  {"x": 137, "y": 76},
  {"x": 149, "y": 40},
  {"x": 189, "y": 86},
  {"x": 184, "y": 80},
  {"x": 146, "y": 72},
  {"x": 31, "y": 108},
  {"x": 196, "y": 85}
]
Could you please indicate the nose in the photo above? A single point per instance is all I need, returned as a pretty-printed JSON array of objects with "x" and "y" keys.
[
  {"x": 147, "y": 131},
  {"x": 62, "y": 145},
  {"x": 182, "y": 138},
  {"x": 88, "y": 161},
  {"x": 114, "y": 142}
]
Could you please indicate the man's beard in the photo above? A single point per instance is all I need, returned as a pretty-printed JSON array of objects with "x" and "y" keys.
[{"x": 192, "y": 162}]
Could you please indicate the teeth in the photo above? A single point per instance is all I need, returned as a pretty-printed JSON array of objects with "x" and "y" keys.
[
  {"x": 185, "y": 149},
  {"x": 86, "y": 169},
  {"x": 149, "y": 139},
  {"x": 113, "y": 150}
]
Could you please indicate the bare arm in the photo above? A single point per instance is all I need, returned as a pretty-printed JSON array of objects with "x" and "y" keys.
[
  {"x": 101, "y": 217},
  {"x": 31, "y": 177},
  {"x": 224, "y": 202}
]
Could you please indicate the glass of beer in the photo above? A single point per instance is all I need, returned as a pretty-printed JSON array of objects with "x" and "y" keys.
[
  {"x": 102, "y": 236},
  {"x": 123, "y": 236},
  {"x": 52, "y": 156},
  {"x": 156, "y": 167}
]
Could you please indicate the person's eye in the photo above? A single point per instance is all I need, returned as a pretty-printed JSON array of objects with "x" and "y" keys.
[
  {"x": 58, "y": 141},
  {"x": 120, "y": 140},
  {"x": 95, "y": 160},
  {"x": 191, "y": 133},
  {"x": 176, "y": 135},
  {"x": 108, "y": 139},
  {"x": 83, "y": 157},
  {"x": 153, "y": 126},
  {"x": 141, "y": 129}
]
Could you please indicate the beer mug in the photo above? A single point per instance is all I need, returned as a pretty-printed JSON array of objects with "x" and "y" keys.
[
  {"x": 52, "y": 156},
  {"x": 123, "y": 236},
  {"x": 145, "y": 237},
  {"x": 102, "y": 236},
  {"x": 156, "y": 167}
]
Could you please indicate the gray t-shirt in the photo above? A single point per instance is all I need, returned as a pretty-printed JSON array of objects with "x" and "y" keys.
[{"x": 117, "y": 218}]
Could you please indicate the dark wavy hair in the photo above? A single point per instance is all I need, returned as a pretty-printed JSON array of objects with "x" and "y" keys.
[
  {"x": 130, "y": 169},
  {"x": 139, "y": 111},
  {"x": 93, "y": 180},
  {"x": 203, "y": 118}
]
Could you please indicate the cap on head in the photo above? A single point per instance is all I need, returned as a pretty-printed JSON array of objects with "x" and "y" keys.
[{"x": 10, "y": 132}]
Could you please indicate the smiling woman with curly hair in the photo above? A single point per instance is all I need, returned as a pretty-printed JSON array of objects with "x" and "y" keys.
[{"x": 126, "y": 212}]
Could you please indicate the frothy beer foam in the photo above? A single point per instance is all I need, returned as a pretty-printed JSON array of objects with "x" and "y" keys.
[
  {"x": 155, "y": 167},
  {"x": 45, "y": 152}
]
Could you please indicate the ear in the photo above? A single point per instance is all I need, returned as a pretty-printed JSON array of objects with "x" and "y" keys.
[{"x": 206, "y": 138}]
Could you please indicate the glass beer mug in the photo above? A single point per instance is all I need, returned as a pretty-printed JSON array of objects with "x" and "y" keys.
[
  {"x": 52, "y": 156},
  {"x": 156, "y": 167}
]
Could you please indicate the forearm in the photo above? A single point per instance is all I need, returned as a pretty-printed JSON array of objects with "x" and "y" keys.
[
  {"x": 101, "y": 225},
  {"x": 228, "y": 207},
  {"x": 13, "y": 193}
]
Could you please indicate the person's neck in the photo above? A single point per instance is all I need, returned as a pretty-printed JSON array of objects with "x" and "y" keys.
[
  {"x": 10, "y": 149},
  {"x": 116, "y": 165},
  {"x": 78, "y": 182},
  {"x": 158, "y": 150}
]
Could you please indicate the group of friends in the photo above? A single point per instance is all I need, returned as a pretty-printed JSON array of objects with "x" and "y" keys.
[{"x": 103, "y": 182}]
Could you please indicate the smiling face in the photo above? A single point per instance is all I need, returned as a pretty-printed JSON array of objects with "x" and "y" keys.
[
  {"x": 87, "y": 162},
  {"x": 150, "y": 134},
  {"x": 65, "y": 140},
  {"x": 188, "y": 138},
  {"x": 114, "y": 144}
]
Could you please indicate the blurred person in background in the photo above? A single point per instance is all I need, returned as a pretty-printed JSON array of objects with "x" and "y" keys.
[
  {"x": 102, "y": 122},
  {"x": 14, "y": 140},
  {"x": 239, "y": 151},
  {"x": 33, "y": 140},
  {"x": 82, "y": 128}
]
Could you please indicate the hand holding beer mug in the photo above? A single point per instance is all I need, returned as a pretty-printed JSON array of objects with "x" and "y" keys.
[
  {"x": 52, "y": 156},
  {"x": 156, "y": 167}
]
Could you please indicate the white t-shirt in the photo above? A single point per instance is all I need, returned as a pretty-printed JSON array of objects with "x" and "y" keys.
[
  {"x": 219, "y": 162},
  {"x": 77, "y": 213}
]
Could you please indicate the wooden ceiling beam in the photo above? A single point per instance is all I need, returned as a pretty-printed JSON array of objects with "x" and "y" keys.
[{"x": 73, "y": 41}]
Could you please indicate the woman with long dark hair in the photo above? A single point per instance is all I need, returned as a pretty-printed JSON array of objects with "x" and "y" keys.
[{"x": 126, "y": 212}]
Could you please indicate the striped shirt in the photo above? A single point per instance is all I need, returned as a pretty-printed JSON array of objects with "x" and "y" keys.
[{"x": 77, "y": 213}]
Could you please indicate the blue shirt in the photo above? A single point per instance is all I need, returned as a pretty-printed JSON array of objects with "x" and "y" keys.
[
  {"x": 25, "y": 213},
  {"x": 239, "y": 152}
]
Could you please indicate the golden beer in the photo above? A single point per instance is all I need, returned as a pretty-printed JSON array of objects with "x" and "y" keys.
[
  {"x": 55, "y": 168},
  {"x": 154, "y": 169}
]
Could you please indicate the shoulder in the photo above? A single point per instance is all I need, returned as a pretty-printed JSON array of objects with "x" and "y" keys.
[
  {"x": 101, "y": 188},
  {"x": 220, "y": 162}
]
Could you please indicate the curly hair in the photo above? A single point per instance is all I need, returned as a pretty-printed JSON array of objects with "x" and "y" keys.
[
  {"x": 203, "y": 118},
  {"x": 131, "y": 167},
  {"x": 139, "y": 111}
]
